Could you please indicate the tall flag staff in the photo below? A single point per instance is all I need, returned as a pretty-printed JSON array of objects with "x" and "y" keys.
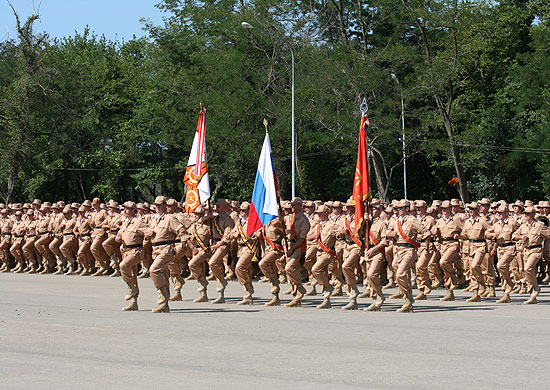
[
  {"x": 265, "y": 205},
  {"x": 361, "y": 189},
  {"x": 196, "y": 174}
]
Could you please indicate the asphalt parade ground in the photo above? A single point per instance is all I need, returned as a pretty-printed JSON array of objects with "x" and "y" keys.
[{"x": 68, "y": 332}]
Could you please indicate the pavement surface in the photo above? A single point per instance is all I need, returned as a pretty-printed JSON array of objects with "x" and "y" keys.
[{"x": 67, "y": 332}]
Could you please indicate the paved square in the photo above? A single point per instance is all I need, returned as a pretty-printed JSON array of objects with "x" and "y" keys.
[{"x": 69, "y": 332}]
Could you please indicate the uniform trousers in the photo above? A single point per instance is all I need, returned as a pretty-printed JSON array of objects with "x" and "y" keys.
[
  {"x": 405, "y": 258},
  {"x": 320, "y": 268},
  {"x": 450, "y": 260},
  {"x": 375, "y": 270},
  {"x": 351, "y": 257},
  {"x": 268, "y": 264},
  {"x": 162, "y": 255},
  {"x": 131, "y": 257},
  {"x": 244, "y": 265},
  {"x": 476, "y": 255},
  {"x": 532, "y": 257}
]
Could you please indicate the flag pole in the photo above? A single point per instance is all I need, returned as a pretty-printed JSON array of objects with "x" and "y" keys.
[
  {"x": 364, "y": 109},
  {"x": 211, "y": 224},
  {"x": 281, "y": 213}
]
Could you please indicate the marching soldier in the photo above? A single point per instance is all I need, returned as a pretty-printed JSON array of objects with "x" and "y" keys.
[
  {"x": 29, "y": 251},
  {"x": 311, "y": 244},
  {"x": 273, "y": 234},
  {"x": 111, "y": 225},
  {"x": 131, "y": 234},
  {"x": 200, "y": 245},
  {"x": 248, "y": 246},
  {"x": 163, "y": 230},
  {"x": 69, "y": 246},
  {"x": 145, "y": 216},
  {"x": 376, "y": 256},
  {"x": 83, "y": 230},
  {"x": 6, "y": 225},
  {"x": 325, "y": 235},
  {"x": 97, "y": 218},
  {"x": 425, "y": 252},
  {"x": 297, "y": 229}
]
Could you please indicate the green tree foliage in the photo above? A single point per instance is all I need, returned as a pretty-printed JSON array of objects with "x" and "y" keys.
[{"x": 83, "y": 116}]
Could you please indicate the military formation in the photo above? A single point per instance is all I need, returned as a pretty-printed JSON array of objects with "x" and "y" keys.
[{"x": 480, "y": 247}]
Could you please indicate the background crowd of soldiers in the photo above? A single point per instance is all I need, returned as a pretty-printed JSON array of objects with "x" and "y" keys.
[{"x": 409, "y": 245}]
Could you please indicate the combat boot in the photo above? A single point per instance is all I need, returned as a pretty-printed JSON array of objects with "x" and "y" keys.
[
  {"x": 352, "y": 304},
  {"x": 99, "y": 272},
  {"x": 144, "y": 274},
  {"x": 397, "y": 295},
  {"x": 546, "y": 279},
  {"x": 202, "y": 291},
  {"x": 275, "y": 301},
  {"x": 297, "y": 301},
  {"x": 163, "y": 306},
  {"x": 178, "y": 284},
  {"x": 505, "y": 298},
  {"x": 517, "y": 288},
  {"x": 132, "y": 291},
  {"x": 177, "y": 296},
  {"x": 325, "y": 304},
  {"x": 313, "y": 291},
  {"x": 475, "y": 297},
  {"x": 132, "y": 306},
  {"x": 221, "y": 292},
  {"x": 60, "y": 270},
  {"x": 421, "y": 297},
  {"x": 408, "y": 305},
  {"x": 491, "y": 292},
  {"x": 449, "y": 297},
  {"x": 115, "y": 274},
  {"x": 533, "y": 298},
  {"x": 391, "y": 284},
  {"x": 523, "y": 289},
  {"x": 365, "y": 294},
  {"x": 247, "y": 299}
]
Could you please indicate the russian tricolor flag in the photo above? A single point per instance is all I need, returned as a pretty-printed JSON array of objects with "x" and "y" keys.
[{"x": 263, "y": 207}]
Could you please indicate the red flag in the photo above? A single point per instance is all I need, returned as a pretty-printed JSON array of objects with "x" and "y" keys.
[{"x": 361, "y": 190}]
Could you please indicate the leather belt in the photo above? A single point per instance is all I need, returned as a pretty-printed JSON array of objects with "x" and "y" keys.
[
  {"x": 507, "y": 244},
  {"x": 31, "y": 235},
  {"x": 68, "y": 234},
  {"x": 114, "y": 230},
  {"x": 6, "y": 234},
  {"x": 85, "y": 235},
  {"x": 534, "y": 246},
  {"x": 448, "y": 239},
  {"x": 477, "y": 240},
  {"x": 405, "y": 245},
  {"x": 40, "y": 234},
  {"x": 163, "y": 243},
  {"x": 177, "y": 241},
  {"x": 98, "y": 227},
  {"x": 18, "y": 236},
  {"x": 132, "y": 246}
]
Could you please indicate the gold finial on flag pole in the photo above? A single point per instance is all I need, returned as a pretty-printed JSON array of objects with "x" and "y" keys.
[
  {"x": 265, "y": 124},
  {"x": 364, "y": 107}
]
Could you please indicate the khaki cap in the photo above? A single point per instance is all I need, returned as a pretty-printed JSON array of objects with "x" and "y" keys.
[
  {"x": 473, "y": 205},
  {"x": 322, "y": 209},
  {"x": 436, "y": 203},
  {"x": 43, "y": 208},
  {"x": 171, "y": 202},
  {"x": 67, "y": 210},
  {"x": 235, "y": 204},
  {"x": 160, "y": 200},
  {"x": 30, "y": 212},
  {"x": 296, "y": 200},
  {"x": 318, "y": 202},
  {"x": 87, "y": 203},
  {"x": 445, "y": 204},
  {"x": 26, "y": 206},
  {"x": 19, "y": 213},
  {"x": 75, "y": 205},
  {"x": 244, "y": 206},
  {"x": 389, "y": 210},
  {"x": 61, "y": 203},
  {"x": 350, "y": 203},
  {"x": 37, "y": 202},
  {"x": 140, "y": 206},
  {"x": 329, "y": 203},
  {"x": 221, "y": 201},
  {"x": 545, "y": 204},
  {"x": 198, "y": 210},
  {"x": 337, "y": 204},
  {"x": 376, "y": 203},
  {"x": 420, "y": 203},
  {"x": 3, "y": 211},
  {"x": 96, "y": 201},
  {"x": 309, "y": 203},
  {"x": 112, "y": 204},
  {"x": 455, "y": 202},
  {"x": 529, "y": 203},
  {"x": 82, "y": 209},
  {"x": 484, "y": 201},
  {"x": 519, "y": 203},
  {"x": 529, "y": 210},
  {"x": 502, "y": 209},
  {"x": 129, "y": 205},
  {"x": 55, "y": 206},
  {"x": 403, "y": 203}
]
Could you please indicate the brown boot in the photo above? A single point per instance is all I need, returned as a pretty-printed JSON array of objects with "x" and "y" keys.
[
  {"x": 533, "y": 298},
  {"x": 313, "y": 291},
  {"x": 397, "y": 295},
  {"x": 421, "y": 296},
  {"x": 133, "y": 291},
  {"x": 202, "y": 291},
  {"x": 274, "y": 301},
  {"x": 491, "y": 292},
  {"x": 337, "y": 291},
  {"x": 449, "y": 297},
  {"x": 163, "y": 306},
  {"x": 247, "y": 299},
  {"x": 297, "y": 301},
  {"x": 408, "y": 305},
  {"x": 505, "y": 298},
  {"x": 177, "y": 296},
  {"x": 132, "y": 306},
  {"x": 364, "y": 294},
  {"x": 352, "y": 305},
  {"x": 523, "y": 289},
  {"x": 325, "y": 304},
  {"x": 475, "y": 297}
]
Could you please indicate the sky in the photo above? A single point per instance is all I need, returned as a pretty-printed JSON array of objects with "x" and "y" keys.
[{"x": 116, "y": 19}]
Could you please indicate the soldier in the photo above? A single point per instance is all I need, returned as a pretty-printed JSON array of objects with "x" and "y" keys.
[
  {"x": 83, "y": 231},
  {"x": 311, "y": 245},
  {"x": 131, "y": 234},
  {"x": 425, "y": 252},
  {"x": 474, "y": 231},
  {"x": 389, "y": 218},
  {"x": 223, "y": 224},
  {"x": 248, "y": 246},
  {"x": 29, "y": 252},
  {"x": 336, "y": 216},
  {"x": 111, "y": 225},
  {"x": 43, "y": 240},
  {"x": 6, "y": 225},
  {"x": 325, "y": 234},
  {"x": 97, "y": 218},
  {"x": 145, "y": 216},
  {"x": 200, "y": 246},
  {"x": 375, "y": 255},
  {"x": 69, "y": 246},
  {"x": 163, "y": 230},
  {"x": 531, "y": 233},
  {"x": 273, "y": 234},
  {"x": 446, "y": 230},
  {"x": 57, "y": 238},
  {"x": 406, "y": 231},
  {"x": 297, "y": 229},
  {"x": 18, "y": 239},
  {"x": 180, "y": 249},
  {"x": 488, "y": 265},
  {"x": 501, "y": 233}
]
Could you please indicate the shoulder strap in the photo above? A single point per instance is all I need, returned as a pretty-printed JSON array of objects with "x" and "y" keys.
[{"x": 404, "y": 237}]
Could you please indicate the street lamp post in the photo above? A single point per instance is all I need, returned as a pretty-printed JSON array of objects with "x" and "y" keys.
[
  {"x": 402, "y": 136},
  {"x": 248, "y": 25}
]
